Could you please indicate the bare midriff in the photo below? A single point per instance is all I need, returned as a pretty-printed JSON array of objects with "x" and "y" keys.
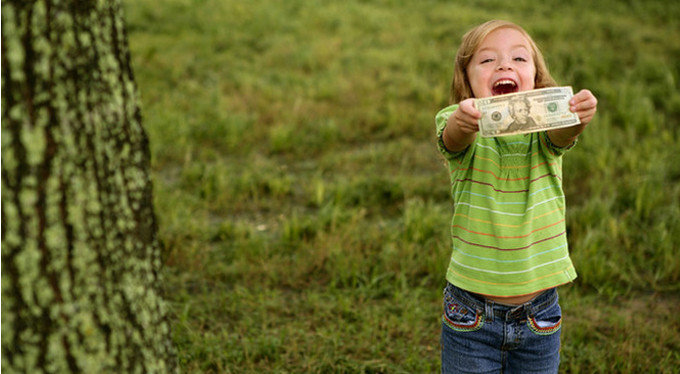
[{"x": 513, "y": 300}]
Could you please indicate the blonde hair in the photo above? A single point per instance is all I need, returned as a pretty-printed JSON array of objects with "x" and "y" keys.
[{"x": 460, "y": 86}]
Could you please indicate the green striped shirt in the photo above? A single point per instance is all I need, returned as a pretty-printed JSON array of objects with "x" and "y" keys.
[{"x": 508, "y": 226}]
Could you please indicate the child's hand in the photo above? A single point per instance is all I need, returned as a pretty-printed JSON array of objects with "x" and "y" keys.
[
  {"x": 466, "y": 117},
  {"x": 462, "y": 126},
  {"x": 584, "y": 104}
]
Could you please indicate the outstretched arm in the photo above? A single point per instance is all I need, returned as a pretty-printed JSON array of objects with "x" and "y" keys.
[{"x": 462, "y": 126}]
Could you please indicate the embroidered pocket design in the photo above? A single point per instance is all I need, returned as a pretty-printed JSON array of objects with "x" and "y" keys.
[
  {"x": 461, "y": 318},
  {"x": 543, "y": 328},
  {"x": 546, "y": 323}
]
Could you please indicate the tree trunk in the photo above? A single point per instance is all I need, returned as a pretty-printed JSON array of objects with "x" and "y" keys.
[{"x": 81, "y": 263}]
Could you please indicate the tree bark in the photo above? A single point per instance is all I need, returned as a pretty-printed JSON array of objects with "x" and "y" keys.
[{"x": 81, "y": 282}]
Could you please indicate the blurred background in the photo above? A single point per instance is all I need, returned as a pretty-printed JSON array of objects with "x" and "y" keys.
[{"x": 304, "y": 210}]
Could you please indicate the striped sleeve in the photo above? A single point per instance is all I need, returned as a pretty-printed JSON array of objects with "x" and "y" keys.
[{"x": 440, "y": 123}]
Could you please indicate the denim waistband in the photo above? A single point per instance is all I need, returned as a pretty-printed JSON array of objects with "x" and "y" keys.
[{"x": 504, "y": 311}]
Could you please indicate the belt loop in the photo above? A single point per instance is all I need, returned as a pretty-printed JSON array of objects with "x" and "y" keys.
[
  {"x": 529, "y": 309},
  {"x": 488, "y": 310}
]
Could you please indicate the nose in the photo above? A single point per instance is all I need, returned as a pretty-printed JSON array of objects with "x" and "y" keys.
[{"x": 503, "y": 65}]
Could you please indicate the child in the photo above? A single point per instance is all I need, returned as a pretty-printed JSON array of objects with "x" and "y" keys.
[{"x": 508, "y": 228}]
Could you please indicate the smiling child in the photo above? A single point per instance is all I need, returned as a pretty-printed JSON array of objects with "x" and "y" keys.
[{"x": 509, "y": 244}]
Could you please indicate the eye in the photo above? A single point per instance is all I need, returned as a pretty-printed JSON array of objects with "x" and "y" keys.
[
  {"x": 520, "y": 59},
  {"x": 484, "y": 61}
]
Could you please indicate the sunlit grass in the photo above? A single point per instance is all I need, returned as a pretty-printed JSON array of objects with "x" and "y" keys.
[{"x": 304, "y": 210}]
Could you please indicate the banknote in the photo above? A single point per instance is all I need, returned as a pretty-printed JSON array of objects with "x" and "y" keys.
[{"x": 526, "y": 111}]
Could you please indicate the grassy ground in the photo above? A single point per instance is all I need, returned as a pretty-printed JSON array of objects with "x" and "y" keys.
[{"x": 304, "y": 210}]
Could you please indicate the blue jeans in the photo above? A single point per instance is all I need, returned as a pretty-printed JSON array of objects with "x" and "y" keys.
[{"x": 480, "y": 336}]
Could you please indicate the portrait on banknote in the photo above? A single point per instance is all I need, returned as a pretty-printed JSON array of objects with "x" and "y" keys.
[{"x": 519, "y": 108}]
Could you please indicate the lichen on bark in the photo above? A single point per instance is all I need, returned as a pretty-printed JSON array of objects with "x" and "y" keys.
[{"x": 81, "y": 277}]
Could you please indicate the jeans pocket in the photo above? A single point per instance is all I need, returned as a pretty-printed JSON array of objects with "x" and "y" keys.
[
  {"x": 547, "y": 321},
  {"x": 460, "y": 317}
]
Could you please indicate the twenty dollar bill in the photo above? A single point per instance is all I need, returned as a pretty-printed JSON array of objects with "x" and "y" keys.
[{"x": 526, "y": 111}]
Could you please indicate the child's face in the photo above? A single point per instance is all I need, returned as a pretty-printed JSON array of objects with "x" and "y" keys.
[{"x": 502, "y": 63}]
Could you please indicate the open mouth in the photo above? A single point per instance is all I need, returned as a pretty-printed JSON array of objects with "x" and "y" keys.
[{"x": 504, "y": 86}]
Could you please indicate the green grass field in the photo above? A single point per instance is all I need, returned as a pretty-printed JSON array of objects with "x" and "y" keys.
[{"x": 304, "y": 210}]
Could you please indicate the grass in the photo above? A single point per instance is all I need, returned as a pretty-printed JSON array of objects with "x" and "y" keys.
[{"x": 304, "y": 208}]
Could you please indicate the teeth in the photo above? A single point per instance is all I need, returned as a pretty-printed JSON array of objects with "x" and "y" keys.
[{"x": 504, "y": 81}]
